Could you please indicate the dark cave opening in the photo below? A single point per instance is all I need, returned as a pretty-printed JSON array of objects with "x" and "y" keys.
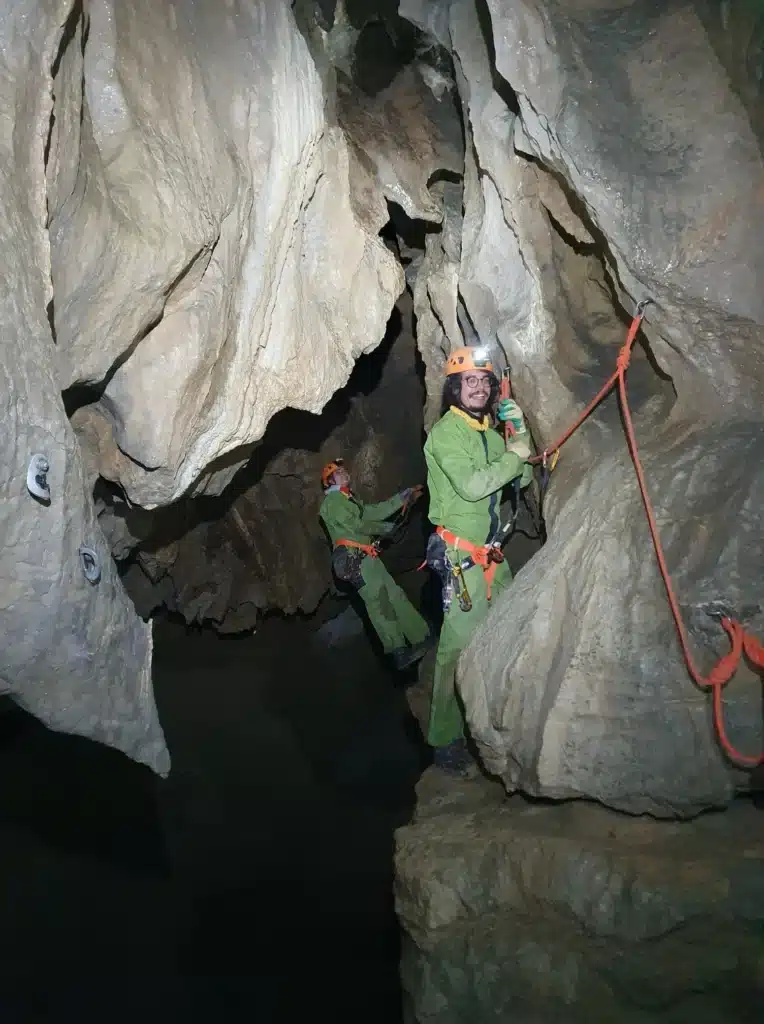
[{"x": 258, "y": 875}]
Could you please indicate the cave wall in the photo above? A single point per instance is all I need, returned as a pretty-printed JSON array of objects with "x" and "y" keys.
[
  {"x": 197, "y": 218},
  {"x": 611, "y": 154},
  {"x": 74, "y": 653},
  {"x": 212, "y": 255},
  {"x": 516, "y": 910},
  {"x": 577, "y": 687}
]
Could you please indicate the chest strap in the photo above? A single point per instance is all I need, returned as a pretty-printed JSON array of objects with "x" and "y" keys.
[
  {"x": 484, "y": 555},
  {"x": 368, "y": 549}
]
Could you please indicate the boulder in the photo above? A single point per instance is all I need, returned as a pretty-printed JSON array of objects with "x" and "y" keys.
[{"x": 530, "y": 913}]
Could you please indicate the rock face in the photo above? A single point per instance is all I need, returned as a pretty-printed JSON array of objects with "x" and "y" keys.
[
  {"x": 204, "y": 222},
  {"x": 212, "y": 256},
  {"x": 535, "y": 914},
  {"x": 576, "y": 685},
  {"x": 73, "y": 653},
  {"x": 261, "y": 545}
]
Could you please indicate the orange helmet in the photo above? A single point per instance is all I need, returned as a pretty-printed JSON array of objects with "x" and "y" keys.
[
  {"x": 329, "y": 470},
  {"x": 468, "y": 359}
]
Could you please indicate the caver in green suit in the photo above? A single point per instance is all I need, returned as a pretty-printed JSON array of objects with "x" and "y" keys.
[
  {"x": 467, "y": 468},
  {"x": 391, "y": 613}
]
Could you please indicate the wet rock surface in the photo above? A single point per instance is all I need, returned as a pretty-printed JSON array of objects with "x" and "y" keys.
[{"x": 528, "y": 912}]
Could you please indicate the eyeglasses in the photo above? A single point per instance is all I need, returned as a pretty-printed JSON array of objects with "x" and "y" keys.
[{"x": 472, "y": 382}]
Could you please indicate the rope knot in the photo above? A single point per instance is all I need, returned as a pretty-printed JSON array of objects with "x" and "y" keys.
[{"x": 624, "y": 358}]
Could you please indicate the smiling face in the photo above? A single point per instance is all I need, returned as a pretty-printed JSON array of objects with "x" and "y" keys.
[{"x": 475, "y": 391}]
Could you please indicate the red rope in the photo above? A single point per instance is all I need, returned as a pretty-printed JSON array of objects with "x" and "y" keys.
[
  {"x": 740, "y": 640},
  {"x": 505, "y": 391}
]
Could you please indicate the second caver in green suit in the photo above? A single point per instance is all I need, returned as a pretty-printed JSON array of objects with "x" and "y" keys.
[{"x": 392, "y": 615}]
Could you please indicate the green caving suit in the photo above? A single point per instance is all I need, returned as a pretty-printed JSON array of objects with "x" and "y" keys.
[
  {"x": 467, "y": 467},
  {"x": 392, "y": 614}
]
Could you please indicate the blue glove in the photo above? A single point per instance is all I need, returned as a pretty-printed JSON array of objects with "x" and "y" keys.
[
  {"x": 410, "y": 494},
  {"x": 508, "y": 409}
]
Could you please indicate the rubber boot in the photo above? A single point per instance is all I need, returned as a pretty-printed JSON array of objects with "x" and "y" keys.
[
  {"x": 455, "y": 759},
  {"x": 403, "y": 657}
]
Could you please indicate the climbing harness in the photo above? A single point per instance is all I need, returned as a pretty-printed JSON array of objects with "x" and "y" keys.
[
  {"x": 741, "y": 642},
  {"x": 37, "y": 478},
  {"x": 368, "y": 549},
  {"x": 347, "y": 557},
  {"x": 488, "y": 556}
]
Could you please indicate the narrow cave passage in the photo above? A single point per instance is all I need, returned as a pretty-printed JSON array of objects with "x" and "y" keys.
[{"x": 280, "y": 816}]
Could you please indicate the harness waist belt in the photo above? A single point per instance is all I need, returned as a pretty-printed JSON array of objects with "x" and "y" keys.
[
  {"x": 368, "y": 549},
  {"x": 481, "y": 554}
]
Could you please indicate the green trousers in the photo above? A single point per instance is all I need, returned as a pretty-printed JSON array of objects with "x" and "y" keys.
[
  {"x": 446, "y": 719},
  {"x": 392, "y": 615}
]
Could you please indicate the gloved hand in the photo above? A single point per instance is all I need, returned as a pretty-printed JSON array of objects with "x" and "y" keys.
[
  {"x": 411, "y": 494},
  {"x": 508, "y": 409},
  {"x": 518, "y": 445}
]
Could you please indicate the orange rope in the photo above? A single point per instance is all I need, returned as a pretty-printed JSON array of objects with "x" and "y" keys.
[{"x": 740, "y": 640}]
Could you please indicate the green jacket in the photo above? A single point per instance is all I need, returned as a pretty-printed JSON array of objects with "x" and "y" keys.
[
  {"x": 467, "y": 467},
  {"x": 348, "y": 517}
]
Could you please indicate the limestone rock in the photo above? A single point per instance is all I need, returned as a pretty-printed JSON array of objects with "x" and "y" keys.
[
  {"x": 73, "y": 653},
  {"x": 431, "y": 16},
  {"x": 521, "y": 912},
  {"x": 669, "y": 136},
  {"x": 408, "y": 135},
  {"x": 192, "y": 251},
  {"x": 261, "y": 544},
  {"x": 575, "y": 686},
  {"x": 436, "y": 297}
]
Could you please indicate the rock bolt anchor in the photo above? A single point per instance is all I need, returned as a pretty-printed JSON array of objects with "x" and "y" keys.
[
  {"x": 37, "y": 478},
  {"x": 91, "y": 569}
]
